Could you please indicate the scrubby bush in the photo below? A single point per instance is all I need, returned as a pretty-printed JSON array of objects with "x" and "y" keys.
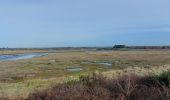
[{"x": 98, "y": 87}]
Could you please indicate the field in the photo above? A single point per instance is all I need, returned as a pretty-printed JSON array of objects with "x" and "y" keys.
[{"x": 20, "y": 78}]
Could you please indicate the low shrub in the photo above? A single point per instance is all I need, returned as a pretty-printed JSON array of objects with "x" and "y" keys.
[{"x": 98, "y": 87}]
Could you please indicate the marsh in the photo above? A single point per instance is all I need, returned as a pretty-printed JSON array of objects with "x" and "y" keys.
[{"x": 33, "y": 70}]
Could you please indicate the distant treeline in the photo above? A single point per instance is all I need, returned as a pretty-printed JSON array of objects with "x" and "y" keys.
[
  {"x": 149, "y": 47},
  {"x": 50, "y": 48},
  {"x": 115, "y": 47},
  {"x": 124, "y": 47},
  {"x": 141, "y": 47}
]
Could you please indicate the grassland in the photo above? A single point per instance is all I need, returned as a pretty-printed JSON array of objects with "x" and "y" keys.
[{"x": 20, "y": 78}]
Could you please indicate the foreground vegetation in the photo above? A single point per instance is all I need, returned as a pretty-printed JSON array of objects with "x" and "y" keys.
[{"x": 97, "y": 87}]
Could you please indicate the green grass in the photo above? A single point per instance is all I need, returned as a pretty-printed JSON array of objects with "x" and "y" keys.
[{"x": 163, "y": 78}]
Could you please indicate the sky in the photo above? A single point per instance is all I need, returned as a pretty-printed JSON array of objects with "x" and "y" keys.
[{"x": 78, "y": 23}]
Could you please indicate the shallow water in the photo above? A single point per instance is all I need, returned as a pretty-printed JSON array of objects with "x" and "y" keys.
[
  {"x": 99, "y": 63},
  {"x": 11, "y": 57},
  {"x": 105, "y": 63},
  {"x": 74, "y": 69}
]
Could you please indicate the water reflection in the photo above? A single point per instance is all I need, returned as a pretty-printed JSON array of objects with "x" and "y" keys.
[{"x": 11, "y": 57}]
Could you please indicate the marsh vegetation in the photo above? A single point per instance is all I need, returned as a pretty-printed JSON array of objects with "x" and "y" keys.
[{"x": 22, "y": 77}]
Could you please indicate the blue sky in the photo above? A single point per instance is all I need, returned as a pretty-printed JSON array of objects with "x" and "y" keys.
[{"x": 58, "y": 23}]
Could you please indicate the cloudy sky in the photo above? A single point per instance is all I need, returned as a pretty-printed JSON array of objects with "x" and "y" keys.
[{"x": 58, "y": 23}]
